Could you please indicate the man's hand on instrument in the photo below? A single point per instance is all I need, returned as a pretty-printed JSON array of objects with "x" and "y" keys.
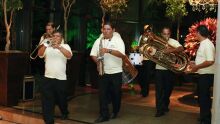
[
  {"x": 168, "y": 50},
  {"x": 56, "y": 46},
  {"x": 191, "y": 68},
  {"x": 194, "y": 68},
  {"x": 104, "y": 50}
]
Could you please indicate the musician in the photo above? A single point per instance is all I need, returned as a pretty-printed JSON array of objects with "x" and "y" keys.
[
  {"x": 165, "y": 78},
  {"x": 50, "y": 28},
  {"x": 113, "y": 50},
  {"x": 203, "y": 65},
  {"x": 53, "y": 88},
  {"x": 147, "y": 68}
]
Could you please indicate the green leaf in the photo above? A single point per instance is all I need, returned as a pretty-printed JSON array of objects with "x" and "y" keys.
[{"x": 175, "y": 9}]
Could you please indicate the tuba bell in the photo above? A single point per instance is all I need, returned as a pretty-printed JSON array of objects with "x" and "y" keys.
[{"x": 152, "y": 46}]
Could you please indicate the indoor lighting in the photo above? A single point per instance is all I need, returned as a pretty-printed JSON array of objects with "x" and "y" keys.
[{"x": 206, "y": 5}]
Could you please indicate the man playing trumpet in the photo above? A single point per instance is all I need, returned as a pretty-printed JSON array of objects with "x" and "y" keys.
[{"x": 53, "y": 87}]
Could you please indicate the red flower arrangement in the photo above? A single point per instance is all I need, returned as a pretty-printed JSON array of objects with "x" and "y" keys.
[{"x": 191, "y": 42}]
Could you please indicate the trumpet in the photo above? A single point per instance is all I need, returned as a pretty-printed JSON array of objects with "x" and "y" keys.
[{"x": 46, "y": 42}]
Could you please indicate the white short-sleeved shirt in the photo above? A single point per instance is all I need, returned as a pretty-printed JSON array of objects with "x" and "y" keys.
[
  {"x": 55, "y": 62},
  {"x": 206, "y": 52},
  {"x": 112, "y": 64},
  {"x": 173, "y": 43}
]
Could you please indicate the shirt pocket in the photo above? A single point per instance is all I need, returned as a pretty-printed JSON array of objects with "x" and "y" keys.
[{"x": 112, "y": 45}]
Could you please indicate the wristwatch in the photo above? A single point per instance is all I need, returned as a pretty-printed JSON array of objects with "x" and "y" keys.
[{"x": 110, "y": 51}]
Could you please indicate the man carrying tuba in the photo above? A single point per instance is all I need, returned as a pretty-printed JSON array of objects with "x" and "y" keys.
[
  {"x": 108, "y": 50},
  {"x": 147, "y": 67},
  {"x": 164, "y": 77}
]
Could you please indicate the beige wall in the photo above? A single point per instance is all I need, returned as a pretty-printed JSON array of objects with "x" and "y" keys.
[{"x": 216, "y": 87}]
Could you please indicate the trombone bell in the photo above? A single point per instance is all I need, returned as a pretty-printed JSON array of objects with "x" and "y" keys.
[{"x": 47, "y": 43}]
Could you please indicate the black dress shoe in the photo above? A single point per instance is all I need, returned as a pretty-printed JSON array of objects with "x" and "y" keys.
[
  {"x": 166, "y": 110},
  {"x": 159, "y": 114},
  {"x": 205, "y": 121},
  {"x": 101, "y": 119},
  {"x": 114, "y": 115}
]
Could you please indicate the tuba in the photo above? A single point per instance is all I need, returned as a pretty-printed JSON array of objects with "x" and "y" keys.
[{"x": 152, "y": 46}]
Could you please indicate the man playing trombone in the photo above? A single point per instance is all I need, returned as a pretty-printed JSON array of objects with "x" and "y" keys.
[
  {"x": 50, "y": 28},
  {"x": 53, "y": 88}
]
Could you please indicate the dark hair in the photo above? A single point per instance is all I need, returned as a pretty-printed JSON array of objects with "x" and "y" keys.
[
  {"x": 61, "y": 34},
  {"x": 110, "y": 24},
  {"x": 203, "y": 31},
  {"x": 166, "y": 27},
  {"x": 51, "y": 24}
]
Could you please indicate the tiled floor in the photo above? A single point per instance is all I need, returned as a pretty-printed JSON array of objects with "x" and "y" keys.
[{"x": 134, "y": 110}]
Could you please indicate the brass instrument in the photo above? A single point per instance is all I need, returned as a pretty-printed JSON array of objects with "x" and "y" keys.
[
  {"x": 152, "y": 47},
  {"x": 129, "y": 71},
  {"x": 47, "y": 35},
  {"x": 101, "y": 59},
  {"x": 46, "y": 42}
]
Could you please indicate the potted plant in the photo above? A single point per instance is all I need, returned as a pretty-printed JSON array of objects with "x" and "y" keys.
[{"x": 12, "y": 63}]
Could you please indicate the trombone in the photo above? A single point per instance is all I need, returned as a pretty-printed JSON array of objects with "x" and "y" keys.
[{"x": 46, "y": 42}]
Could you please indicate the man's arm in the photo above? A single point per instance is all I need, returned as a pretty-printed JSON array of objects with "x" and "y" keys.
[
  {"x": 41, "y": 50},
  {"x": 174, "y": 50},
  {"x": 113, "y": 52},
  {"x": 195, "y": 68},
  {"x": 65, "y": 52},
  {"x": 94, "y": 58}
]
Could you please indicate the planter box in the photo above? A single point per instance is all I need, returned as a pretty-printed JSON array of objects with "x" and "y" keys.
[{"x": 13, "y": 65}]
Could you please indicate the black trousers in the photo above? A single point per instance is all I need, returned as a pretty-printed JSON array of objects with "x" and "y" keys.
[
  {"x": 205, "y": 82},
  {"x": 110, "y": 84},
  {"x": 53, "y": 92},
  {"x": 146, "y": 70},
  {"x": 164, "y": 86}
]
